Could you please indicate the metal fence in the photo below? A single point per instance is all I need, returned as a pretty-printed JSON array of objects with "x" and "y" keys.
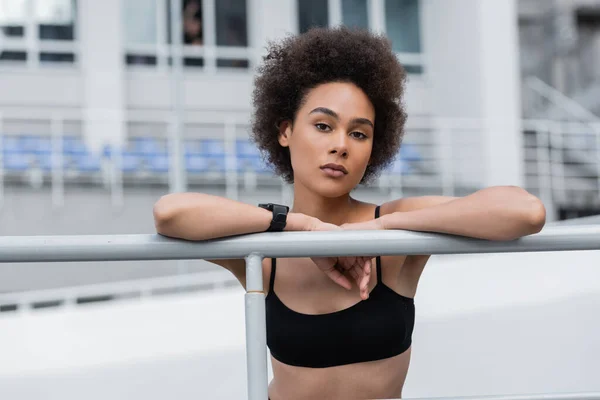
[{"x": 289, "y": 244}]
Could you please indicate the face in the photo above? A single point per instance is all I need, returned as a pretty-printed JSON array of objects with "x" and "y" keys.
[{"x": 331, "y": 139}]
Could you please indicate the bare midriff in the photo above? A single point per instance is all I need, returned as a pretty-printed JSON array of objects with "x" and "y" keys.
[{"x": 381, "y": 379}]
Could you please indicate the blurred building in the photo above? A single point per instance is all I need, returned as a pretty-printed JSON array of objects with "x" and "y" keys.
[
  {"x": 102, "y": 111},
  {"x": 107, "y": 104},
  {"x": 101, "y": 71}
]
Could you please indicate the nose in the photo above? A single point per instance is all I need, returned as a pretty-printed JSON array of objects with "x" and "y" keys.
[{"x": 339, "y": 144}]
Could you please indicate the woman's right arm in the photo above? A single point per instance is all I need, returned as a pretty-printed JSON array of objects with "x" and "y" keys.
[{"x": 199, "y": 216}]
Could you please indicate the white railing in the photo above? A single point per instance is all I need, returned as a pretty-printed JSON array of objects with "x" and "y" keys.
[
  {"x": 24, "y": 301},
  {"x": 562, "y": 160},
  {"x": 289, "y": 244},
  {"x": 546, "y": 95}
]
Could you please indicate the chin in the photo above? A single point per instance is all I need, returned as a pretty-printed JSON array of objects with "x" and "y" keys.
[{"x": 331, "y": 188}]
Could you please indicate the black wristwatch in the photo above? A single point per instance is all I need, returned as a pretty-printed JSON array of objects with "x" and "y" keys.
[{"x": 279, "y": 216}]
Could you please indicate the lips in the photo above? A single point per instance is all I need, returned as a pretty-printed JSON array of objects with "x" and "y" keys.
[
  {"x": 334, "y": 170},
  {"x": 335, "y": 167}
]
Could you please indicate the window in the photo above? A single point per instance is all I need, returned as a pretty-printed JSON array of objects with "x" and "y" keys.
[
  {"x": 400, "y": 20},
  {"x": 214, "y": 33},
  {"x": 355, "y": 13},
  {"x": 312, "y": 13},
  {"x": 140, "y": 30},
  {"x": 402, "y": 25},
  {"x": 12, "y": 23},
  {"x": 232, "y": 29},
  {"x": 51, "y": 23}
]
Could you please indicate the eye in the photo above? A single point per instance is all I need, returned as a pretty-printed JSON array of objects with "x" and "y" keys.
[
  {"x": 359, "y": 135},
  {"x": 322, "y": 127}
]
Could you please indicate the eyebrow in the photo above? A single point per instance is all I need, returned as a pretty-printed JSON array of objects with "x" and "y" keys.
[{"x": 330, "y": 112}]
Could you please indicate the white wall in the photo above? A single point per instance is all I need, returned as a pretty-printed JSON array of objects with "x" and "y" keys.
[
  {"x": 101, "y": 34},
  {"x": 472, "y": 52}
]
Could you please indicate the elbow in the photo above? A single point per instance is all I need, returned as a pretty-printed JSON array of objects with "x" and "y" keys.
[
  {"x": 163, "y": 213},
  {"x": 533, "y": 213},
  {"x": 536, "y": 216}
]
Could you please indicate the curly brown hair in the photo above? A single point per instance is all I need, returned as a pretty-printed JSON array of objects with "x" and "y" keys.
[{"x": 297, "y": 64}]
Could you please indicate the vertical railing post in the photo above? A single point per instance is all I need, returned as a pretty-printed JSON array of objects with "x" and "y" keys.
[{"x": 256, "y": 329}]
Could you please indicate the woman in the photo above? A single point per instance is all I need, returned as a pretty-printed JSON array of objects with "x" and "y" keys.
[{"x": 328, "y": 115}]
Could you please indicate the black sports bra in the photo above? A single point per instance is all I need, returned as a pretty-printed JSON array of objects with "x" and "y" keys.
[{"x": 373, "y": 329}]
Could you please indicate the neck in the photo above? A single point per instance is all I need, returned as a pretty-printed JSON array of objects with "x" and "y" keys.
[{"x": 327, "y": 209}]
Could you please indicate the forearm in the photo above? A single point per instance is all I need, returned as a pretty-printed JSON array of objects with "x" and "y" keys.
[
  {"x": 496, "y": 213},
  {"x": 198, "y": 216}
]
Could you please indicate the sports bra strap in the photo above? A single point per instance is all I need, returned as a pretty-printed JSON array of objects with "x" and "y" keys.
[
  {"x": 378, "y": 259},
  {"x": 272, "y": 279}
]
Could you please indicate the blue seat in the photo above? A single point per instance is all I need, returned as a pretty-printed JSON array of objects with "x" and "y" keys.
[
  {"x": 129, "y": 162},
  {"x": 196, "y": 164},
  {"x": 16, "y": 162},
  {"x": 73, "y": 145},
  {"x": 11, "y": 144},
  {"x": 148, "y": 146},
  {"x": 159, "y": 163},
  {"x": 400, "y": 167},
  {"x": 35, "y": 144},
  {"x": 244, "y": 147},
  {"x": 44, "y": 161},
  {"x": 213, "y": 147},
  {"x": 409, "y": 152},
  {"x": 261, "y": 167},
  {"x": 252, "y": 163},
  {"x": 215, "y": 163},
  {"x": 88, "y": 163},
  {"x": 192, "y": 147},
  {"x": 245, "y": 162}
]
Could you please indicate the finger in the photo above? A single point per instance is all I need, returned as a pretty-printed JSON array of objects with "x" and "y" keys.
[
  {"x": 366, "y": 276},
  {"x": 360, "y": 273},
  {"x": 359, "y": 277},
  {"x": 355, "y": 273},
  {"x": 339, "y": 278}
]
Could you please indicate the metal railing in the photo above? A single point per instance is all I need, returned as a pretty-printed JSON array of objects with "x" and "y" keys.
[
  {"x": 448, "y": 153},
  {"x": 561, "y": 158},
  {"x": 289, "y": 244}
]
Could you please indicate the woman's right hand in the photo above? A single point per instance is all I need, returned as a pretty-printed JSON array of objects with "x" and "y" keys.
[{"x": 337, "y": 268}]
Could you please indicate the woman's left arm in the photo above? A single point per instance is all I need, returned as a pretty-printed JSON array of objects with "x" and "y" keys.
[{"x": 494, "y": 213}]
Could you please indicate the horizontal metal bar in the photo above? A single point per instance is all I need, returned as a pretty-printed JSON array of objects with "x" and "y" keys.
[
  {"x": 286, "y": 244},
  {"x": 556, "y": 396}
]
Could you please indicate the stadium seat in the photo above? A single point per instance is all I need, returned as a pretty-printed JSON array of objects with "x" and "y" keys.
[
  {"x": 192, "y": 147},
  {"x": 35, "y": 144},
  {"x": 11, "y": 144},
  {"x": 196, "y": 164},
  {"x": 159, "y": 163},
  {"x": 246, "y": 148},
  {"x": 400, "y": 167},
  {"x": 215, "y": 163},
  {"x": 16, "y": 162},
  {"x": 88, "y": 163},
  {"x": 409, "y": 152},
  {"x": 148, "y": 146},
  {"x": 73, "y": 145},
  {"x": 44, "y": 161},
  {"x": 129, "y": 162},
  {"x": 213, "y": 147}
]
